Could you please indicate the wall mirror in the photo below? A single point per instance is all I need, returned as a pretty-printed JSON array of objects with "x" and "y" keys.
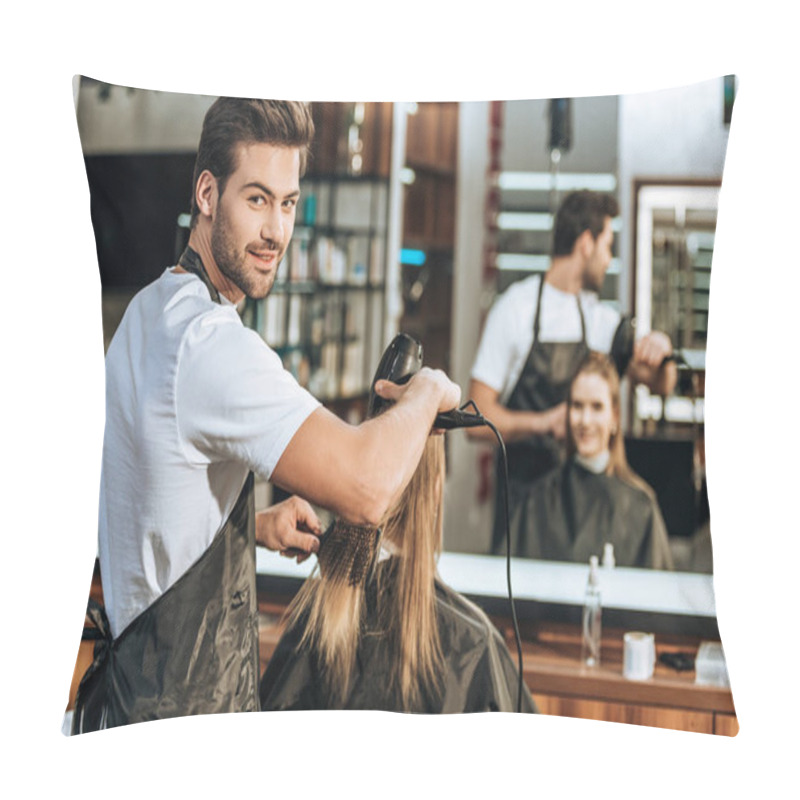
[
  {"x": 665, "y": 168},
  {"x": 437, "y": 262}
]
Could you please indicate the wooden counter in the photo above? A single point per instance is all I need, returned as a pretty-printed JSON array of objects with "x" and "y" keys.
[
  {"x": 554, "y": 675},
  {"x": 561, "y": 686}
]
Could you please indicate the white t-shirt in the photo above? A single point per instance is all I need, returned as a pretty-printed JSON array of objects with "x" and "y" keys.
[
  {"x": 194, "y": 402},
  {"x": 508, "y": 332}
]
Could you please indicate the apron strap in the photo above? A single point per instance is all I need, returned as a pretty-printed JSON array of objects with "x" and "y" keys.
[
  {"x": 103, "y": 642},
  {"x": 190, "y": 261},
  {"x": 538, "y": 309}
]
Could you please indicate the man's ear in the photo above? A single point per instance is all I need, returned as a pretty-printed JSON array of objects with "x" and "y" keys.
[
  {"x": 206, "y": 193},
  {"x": 584, "y": 244}
]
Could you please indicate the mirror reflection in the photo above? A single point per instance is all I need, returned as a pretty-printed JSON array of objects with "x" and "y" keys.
[
  {"x": 602, "y": 213},
  {"x": 422, "y": 218}
]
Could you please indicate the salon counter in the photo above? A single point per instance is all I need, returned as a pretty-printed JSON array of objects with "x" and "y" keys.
[
  {"x": 562, "y": 687},
  {"x": 552, "y": 671}
]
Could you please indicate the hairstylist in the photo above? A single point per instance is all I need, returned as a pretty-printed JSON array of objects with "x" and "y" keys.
[
  {"x": 196, "y": 404},
  {"x": 537, "y": 334}
]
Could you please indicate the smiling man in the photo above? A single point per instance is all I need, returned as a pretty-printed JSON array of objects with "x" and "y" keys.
[{"x": 196, "y": 405}]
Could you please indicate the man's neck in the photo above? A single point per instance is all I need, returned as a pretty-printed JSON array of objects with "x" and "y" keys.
[
  {"x": 200, "y": 242},
  {"x": 565, "y": 274}
]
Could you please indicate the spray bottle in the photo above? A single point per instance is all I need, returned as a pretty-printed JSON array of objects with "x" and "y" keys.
[{"x": 592, "y": 626}]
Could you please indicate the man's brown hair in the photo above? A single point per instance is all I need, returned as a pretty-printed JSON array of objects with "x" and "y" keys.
[
  {"x": 581, "y": 211},
  {"x": 231, "y": 121}
]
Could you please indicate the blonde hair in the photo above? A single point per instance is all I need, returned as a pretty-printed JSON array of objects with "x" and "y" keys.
[
  {"x": 601, "y": 365},
  {"x": 333, "y": 611}
]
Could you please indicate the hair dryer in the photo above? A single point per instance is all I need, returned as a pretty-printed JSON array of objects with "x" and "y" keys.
[
  {"x": 401, "y": 360},
  {"x": 621, "y": 351}
]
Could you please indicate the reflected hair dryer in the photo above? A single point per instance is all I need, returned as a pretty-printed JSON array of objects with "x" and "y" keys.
[
  {"x": 622, "y": 344},
  {"x": 401, "y": 360}
]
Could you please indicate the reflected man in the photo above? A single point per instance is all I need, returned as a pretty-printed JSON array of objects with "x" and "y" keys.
[{"x": 538, "y": 333}]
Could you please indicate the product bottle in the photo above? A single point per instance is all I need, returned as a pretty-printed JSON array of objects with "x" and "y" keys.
[
  {"x": 608, "y": 555},
  {"x": 592, "y": 627}
]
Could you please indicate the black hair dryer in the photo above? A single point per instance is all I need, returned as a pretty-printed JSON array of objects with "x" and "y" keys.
[
  {"x": 400, "y": 361},
  {"x": 622, "y": 347}
]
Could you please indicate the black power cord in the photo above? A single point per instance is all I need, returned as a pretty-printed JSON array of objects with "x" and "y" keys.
[{"x": 461, "y": 419}]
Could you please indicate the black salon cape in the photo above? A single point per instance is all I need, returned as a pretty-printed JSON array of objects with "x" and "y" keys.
[
  {"x": 570, "y": 513},
  {"x": 479, "y": 674}
]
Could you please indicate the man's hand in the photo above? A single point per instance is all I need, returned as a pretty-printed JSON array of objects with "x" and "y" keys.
[
  {"x": 557, "y": 421},
  {"x": 648, "y": 365},
  {"x": 652, "y": 349},
  {"x": 291, "y": 528},
  {"x": 449, "y": 392}
]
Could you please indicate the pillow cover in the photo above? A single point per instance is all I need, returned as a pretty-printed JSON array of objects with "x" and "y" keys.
[{"x": 344, "y": 282}]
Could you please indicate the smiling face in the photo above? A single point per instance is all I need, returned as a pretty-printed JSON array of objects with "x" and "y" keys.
[
  {"x": 254, "y": 217},
  {"x": 592, "y": 417}
]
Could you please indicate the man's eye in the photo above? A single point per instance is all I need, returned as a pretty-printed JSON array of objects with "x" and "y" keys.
[
  {"x": 291, "y": 203},
  {"x": 257, "y": 200}
]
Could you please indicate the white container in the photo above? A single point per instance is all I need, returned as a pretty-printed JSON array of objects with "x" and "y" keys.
[
  {"x": 710, "y": 666},
  {"x": 639, "y": 655}
]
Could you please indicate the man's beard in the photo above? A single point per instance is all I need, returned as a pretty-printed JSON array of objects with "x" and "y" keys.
[
  {"x": 590, "y": 284},
  {"x": 231, "y": 262}
]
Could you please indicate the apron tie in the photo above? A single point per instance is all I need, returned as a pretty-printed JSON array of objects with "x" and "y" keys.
[{"x": 100, "y": 633}]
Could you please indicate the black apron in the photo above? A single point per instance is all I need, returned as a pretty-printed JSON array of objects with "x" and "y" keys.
[
  {"x": 572, "y": 512},
  {"x": 542, "y": 384},
  {"x": 194, "y": 650}
]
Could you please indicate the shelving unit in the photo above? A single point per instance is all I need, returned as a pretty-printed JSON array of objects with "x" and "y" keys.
[
  {"x": 674, "y": 243},
  {"x": 326, "y": 315},
  {"x": 428, "y": 239}
]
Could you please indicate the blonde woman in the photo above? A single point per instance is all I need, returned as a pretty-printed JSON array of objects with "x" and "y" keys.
[
  {"x": 594, "y": 497},
  {"x": 405, "y": 641}
]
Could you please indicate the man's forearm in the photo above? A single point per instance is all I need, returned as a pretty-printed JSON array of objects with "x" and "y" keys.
[
  {"x": 357, "y": 472},
  {"x": 512, "y": 425}
]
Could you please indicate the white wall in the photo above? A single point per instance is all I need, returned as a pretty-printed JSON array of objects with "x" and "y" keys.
[
  {"x": 139, "y": 121},
  {"x": 467, "y": 523}
]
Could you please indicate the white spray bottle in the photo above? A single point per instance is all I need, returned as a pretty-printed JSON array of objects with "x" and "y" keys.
[{"x": 592, "y": 624}]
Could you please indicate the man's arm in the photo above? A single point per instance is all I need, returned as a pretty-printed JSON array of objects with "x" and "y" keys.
[
  {"x": 648, "y": 366},
  {"x": 358, "y": 472},
  {"x": 513, "y": 425}
]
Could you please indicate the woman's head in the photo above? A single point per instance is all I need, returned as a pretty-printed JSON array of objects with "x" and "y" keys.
[
  {"x": 406, "y": 596},
  {"x": 593, "y": 411}
]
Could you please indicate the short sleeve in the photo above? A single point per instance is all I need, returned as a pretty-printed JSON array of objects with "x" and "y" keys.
[
  {"x": 505, "y": 339},
  {"x": 235, "y": 401}
]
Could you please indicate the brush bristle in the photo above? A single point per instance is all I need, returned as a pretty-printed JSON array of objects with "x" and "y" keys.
[{"x": 347, "y": 552}]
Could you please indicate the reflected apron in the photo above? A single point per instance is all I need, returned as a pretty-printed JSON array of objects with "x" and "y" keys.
[
  {"x": 542, "y": 384},
  {"x": 194, "y": 650}
]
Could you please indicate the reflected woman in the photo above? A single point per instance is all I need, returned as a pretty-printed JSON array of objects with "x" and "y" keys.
[
  {"x": 594, "y": 497},
  {"x": 405, "y": 641}
]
